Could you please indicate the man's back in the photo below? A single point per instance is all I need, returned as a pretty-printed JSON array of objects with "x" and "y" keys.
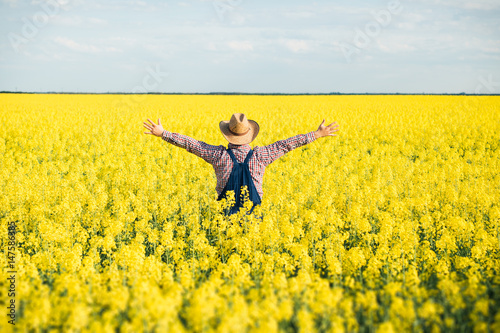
[
  {"x": 218, "y": 157},
  {"x": 239, "y": 131}
]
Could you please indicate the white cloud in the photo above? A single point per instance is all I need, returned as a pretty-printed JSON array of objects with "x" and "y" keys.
[
  {"x": 484, "y": 6},
  {"x": 12, "y": 3},
  {"x": 111, "y": 49},
  {"x": 71, "y": 44},
  {"x": 123, "y": 40},
  {"x": 78, "y": 21},
  {"x": 299, "y": 14},
  {"x": 467, "y": 4},
  {"x": 240, "y": 46},
  {"x": 296, "y": 45},
  {"x": 86, "y": 48},
  {"x": 395, "y": 47},
  {"x": 492, "y": 49},
  {"x": 95, "y": 20},
  {"x": 56, "y": 5},
  {"x": 71, "y": 21},
  {"x": 211, "y": 46}
]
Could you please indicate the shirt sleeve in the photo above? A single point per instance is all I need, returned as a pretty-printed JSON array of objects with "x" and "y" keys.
[
  {"x": 270, "y": 153},
  {"x": 201, "y": 149}
]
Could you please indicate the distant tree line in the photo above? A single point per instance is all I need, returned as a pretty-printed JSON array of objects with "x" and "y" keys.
[{"x": 238, "y": 93}]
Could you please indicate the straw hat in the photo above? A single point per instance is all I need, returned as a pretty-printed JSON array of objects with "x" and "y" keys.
[{"x": 239, "y": 130}]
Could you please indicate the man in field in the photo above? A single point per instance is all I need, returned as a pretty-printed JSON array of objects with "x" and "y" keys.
[{"x": 239, "y": 165}]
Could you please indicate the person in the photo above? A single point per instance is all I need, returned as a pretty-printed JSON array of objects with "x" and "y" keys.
[{"x": 239, "y": 165}]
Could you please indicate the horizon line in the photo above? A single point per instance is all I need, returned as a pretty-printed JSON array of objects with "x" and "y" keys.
[{"x": 238, "y": 93}]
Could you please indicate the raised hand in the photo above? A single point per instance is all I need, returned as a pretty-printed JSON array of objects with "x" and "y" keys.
[
  {"x": 323, "y": 130},
  {"x": 156, "y": 129}
]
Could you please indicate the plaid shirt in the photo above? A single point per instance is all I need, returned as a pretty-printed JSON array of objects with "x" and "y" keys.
[{"x": 218, "y": 157}]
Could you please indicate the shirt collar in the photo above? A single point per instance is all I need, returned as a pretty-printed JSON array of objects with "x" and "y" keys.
[{"x": 232, "y": 146}]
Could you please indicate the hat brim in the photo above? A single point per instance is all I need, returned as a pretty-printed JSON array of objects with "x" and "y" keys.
[{"x": 239, "y": 139}]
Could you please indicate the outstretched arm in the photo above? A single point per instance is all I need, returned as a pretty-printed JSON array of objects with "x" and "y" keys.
[
  {"x": 272, "y": 152},
  {"x": 323, "y": 130},
  {"x": 201, "y": 149}
]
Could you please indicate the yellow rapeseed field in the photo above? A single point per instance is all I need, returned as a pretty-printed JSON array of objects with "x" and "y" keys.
[{"x": 391, "y": 226}]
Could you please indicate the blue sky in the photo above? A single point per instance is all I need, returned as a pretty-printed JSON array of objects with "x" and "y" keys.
[{"x": 428, "y": 46}]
